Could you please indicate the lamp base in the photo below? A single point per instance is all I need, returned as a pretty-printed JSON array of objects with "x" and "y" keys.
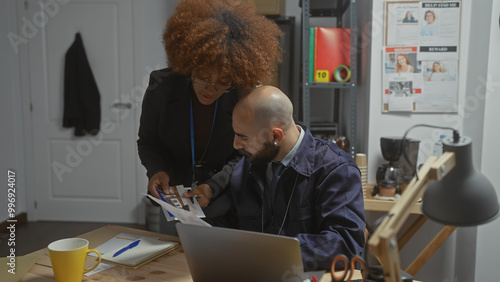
[{"x": 376, "y": 274}]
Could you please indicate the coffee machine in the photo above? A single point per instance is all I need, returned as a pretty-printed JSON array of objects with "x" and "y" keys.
[{"x": 398, "y": 167}]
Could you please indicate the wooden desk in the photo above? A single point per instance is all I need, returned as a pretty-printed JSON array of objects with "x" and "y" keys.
[
  {"x": 171, "y": 267},
  {"x": 373, "y": 204}
]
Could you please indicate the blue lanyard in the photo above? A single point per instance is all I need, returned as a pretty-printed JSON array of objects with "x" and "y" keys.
[{"x": 192, "y": 132}]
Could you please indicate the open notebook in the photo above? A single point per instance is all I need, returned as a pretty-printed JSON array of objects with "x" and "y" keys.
[{"x": 148, "y": 250}]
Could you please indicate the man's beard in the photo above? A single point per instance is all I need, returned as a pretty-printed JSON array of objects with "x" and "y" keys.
[{"x": 268, "y": 152}]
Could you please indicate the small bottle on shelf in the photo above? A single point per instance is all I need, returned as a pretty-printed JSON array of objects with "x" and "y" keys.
[{"x": 438, "y": 146}]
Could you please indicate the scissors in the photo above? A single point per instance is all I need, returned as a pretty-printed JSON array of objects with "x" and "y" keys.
[{"x": 349, "y": 268}]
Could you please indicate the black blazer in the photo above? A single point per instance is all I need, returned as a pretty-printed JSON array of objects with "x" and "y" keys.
[
  {"x": 82, "y": 101},
  {"x": 164, "y": 134}
]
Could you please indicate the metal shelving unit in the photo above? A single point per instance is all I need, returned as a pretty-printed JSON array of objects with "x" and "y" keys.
[{"x": 336, "y": 9}]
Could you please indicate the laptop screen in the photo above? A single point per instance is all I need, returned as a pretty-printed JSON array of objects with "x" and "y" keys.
[{"x": 222, "y": 254}]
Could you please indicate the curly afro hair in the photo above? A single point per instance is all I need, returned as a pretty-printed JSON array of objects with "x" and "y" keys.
[{"x": 225, "y": 37}]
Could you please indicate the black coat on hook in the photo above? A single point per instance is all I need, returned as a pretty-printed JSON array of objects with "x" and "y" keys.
[{"x": 82, "y": 101}]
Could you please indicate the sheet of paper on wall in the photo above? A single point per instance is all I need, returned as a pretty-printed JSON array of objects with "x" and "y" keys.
[
  {"x": 439, "y": 30},
  {"x": 440, "y": 87},
  {"x": 400, "y": 64},
  {"x": 402, "y": 26},
  {"x": 400, "y": 104},
  {"x": 400, "y": 94},
  {"x": 432, "y": 26},
  {"x": 402, "y": 78},
  {"x": 182, "y": 215}
]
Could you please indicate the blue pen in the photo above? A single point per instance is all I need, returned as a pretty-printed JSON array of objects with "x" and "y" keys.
[
  {"x": 130, "y": 246},
  {"x": 163, "y": 199}
]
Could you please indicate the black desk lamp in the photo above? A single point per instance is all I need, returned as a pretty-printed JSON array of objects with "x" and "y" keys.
[
  {"x": 465, "y": 197},
  {"x": 455, "y": 194}
]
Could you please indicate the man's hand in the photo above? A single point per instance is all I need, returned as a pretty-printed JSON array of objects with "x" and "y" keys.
[
  {"x": 202, "y": 193},
  {"x": 160, "y": 180}
]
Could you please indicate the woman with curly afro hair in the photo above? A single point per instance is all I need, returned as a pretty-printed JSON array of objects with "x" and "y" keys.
[{"x": 217, "y": 51}]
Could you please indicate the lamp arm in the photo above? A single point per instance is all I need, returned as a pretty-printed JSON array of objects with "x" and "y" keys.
[{"x": 383, "y": 242}]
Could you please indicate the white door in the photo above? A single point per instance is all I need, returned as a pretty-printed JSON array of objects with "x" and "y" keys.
[{"x": 89, "y": 178}]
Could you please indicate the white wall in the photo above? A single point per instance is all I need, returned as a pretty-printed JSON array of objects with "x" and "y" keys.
[
  {"x": 473, "y": 119},
  {"x": 470, "y": 254},
  {"x": 11, "y": 143},
  {"x": 441, "y": 266},
  {"x": 487, "y": 235},
  {"x": 395, "y": 124}
]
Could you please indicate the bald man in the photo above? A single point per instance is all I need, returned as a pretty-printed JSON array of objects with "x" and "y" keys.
[{"x": 293, "y": 184}]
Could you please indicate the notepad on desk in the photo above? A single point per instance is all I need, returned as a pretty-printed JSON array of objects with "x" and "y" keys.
[{"x": 146, "y": 251}]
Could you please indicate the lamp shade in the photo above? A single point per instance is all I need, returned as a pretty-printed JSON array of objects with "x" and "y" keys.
[{"x": 464, "y": 197}]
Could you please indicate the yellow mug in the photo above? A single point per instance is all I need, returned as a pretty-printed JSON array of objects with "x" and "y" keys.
[{"x": 68, "y": 258}]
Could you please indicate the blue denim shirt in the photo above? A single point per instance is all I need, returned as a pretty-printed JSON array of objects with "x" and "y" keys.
[{"x": 326, "y": 211}]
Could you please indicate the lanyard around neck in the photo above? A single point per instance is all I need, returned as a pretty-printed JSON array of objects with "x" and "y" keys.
[{"x": 192, "y": 131}]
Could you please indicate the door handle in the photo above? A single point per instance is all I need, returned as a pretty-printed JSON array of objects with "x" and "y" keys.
[{"x": 122, "y": 106}]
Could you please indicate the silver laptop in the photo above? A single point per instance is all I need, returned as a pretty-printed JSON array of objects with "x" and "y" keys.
[{"x": 222, "y": 254}]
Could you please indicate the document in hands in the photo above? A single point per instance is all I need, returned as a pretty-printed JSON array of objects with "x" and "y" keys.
[
  {"x": 175, "y": 198},
  {"x": 146, "y": 250},
  {"x": 184, "y": 216}
]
